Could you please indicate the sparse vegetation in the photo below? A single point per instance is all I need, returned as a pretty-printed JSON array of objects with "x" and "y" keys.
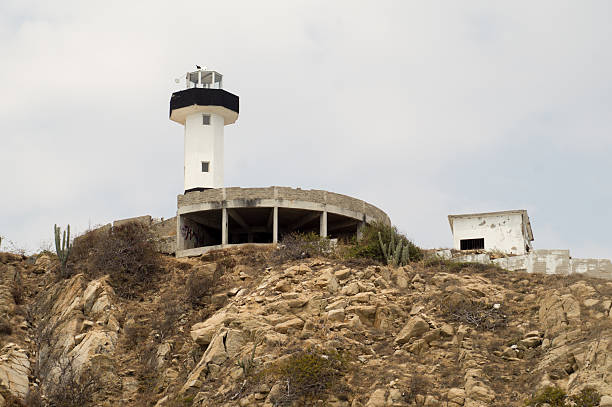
[
  {"x": 248, "y": 363},
  {"x": 5, "y": 326},
  {"x": 71, "y": 388},
  {"x": 384, "y": 243},
  {"x": 307, "y": 374},
  {"x": 135, "y": 333},
  {"x": 588, "y": 397},
  {"x": 12, "y": 401},
  {"x": 152, "y": 351},
  {"x": 555, "y": 397},
  {"x": 457, "y": 266},
  {"x": 478, "y": 314},
  {"x": 201, "y": 283},
  {"x": 295, "y": 246},
  {"x": 125, "y": 252},
  {"x": 163, "y": 325},
  {"x": 17, "y": 293},
  {"x": 419, "y": 386},
  {"x": 63, "y": 249},
  {"x": 394, "y": 255}
]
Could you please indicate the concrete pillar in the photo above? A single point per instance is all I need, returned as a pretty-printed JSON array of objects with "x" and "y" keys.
[
  {"x": 360, "y": 227},
  {"x": 275, "y": 225},
  {"x": 323, "y": 224},
  {"x": 224, "y": 231},
  {"x": 180, "y": 241}
]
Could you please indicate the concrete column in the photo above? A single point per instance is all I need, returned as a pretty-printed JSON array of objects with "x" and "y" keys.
[
  {"x": 323, "y": 224},
  {"x": 360, "y": 227},
  {"x": 224, "y": 231},
  {"x": 275, "y": 225},
  {"x": 180, "y": 242}
]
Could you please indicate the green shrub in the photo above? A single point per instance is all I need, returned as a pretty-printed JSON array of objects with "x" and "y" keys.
[
  {"x": 588, "y": 397},
  {"x": 369, "y": 245},
  {"x": 307, "y": 374},
  {"x": 457, "y": 266},
  {"x": 552, "y": 395},
  {"x": 556, "y": 397}
]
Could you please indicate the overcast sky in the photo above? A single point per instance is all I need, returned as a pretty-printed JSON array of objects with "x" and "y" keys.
[{"x": 423, "y": 108}]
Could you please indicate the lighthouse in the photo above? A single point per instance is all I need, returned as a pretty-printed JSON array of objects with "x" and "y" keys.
[{"x": 204, "y": 108}]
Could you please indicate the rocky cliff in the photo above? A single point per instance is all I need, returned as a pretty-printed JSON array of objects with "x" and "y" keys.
[{"x": 240, "y": 328}]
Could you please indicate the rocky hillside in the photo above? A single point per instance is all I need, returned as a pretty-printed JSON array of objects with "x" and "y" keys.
[{"x": 241, "y": 328}]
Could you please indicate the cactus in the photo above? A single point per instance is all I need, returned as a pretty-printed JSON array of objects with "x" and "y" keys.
[
  {"x": 62, "y": 251},
  {"x": 247, "y": 363},
  {"x": 395, "y": 255}
]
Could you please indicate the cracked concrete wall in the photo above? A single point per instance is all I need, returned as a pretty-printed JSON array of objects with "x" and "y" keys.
[
  {"x": 601, "y": 268},
  {"x": 252, "y": 196},
  {"x": 505, "y": 232},
  {"x": 541, "y": 261}
]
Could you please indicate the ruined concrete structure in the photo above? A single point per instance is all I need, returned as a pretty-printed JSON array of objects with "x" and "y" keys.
[
  {"x": 216, "y": 218},
  {"x": 475, "y": 236},
  {"x": 210, "y": 216},
  {"x": 507, "y": 231}
]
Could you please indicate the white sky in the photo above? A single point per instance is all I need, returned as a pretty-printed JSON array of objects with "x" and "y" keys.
[{"x": 421, "y": 108}]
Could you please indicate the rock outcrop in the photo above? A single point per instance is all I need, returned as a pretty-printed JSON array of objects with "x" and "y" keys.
[{"x": 422, "y": 335}]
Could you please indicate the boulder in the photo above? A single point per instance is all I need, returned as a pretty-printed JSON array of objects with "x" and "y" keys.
[
  {"x": 456, "y": 395},
  {"x": 415, "y": 327},
  {"x": 14, "y": 370},
  {"x": 292, "y": 324},
  {"x": 350, "y": 289},
  {"x": 377, "y": 399},
  {"x": 336, "y": 315},
  {"x": 94, "y": 343},
  {"x": 234, "y": 341},
  {"x": 557, "y": 312},
  {"x": 366, "y": 313},
  {"x": 606, "y": 401},
  {"x": 343, "y": 274},
  {"x": 203, "y": 332},
  {"x": 400, "y": 278}
]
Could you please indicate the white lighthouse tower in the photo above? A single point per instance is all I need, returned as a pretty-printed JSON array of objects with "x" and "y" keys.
[{"x": 204, "y": 108}]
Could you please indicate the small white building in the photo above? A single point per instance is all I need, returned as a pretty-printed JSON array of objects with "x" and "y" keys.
[{"x": 507, "y": 231}]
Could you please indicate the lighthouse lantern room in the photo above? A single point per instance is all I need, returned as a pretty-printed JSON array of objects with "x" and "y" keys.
[{"x": 204, "y": 108}]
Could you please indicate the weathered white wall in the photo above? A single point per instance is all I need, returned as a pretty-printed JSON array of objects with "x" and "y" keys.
[
  {"x": 203, "y": 143},
  {"x": 594, "y": 267},
  {"x": 505, "y": 232},
  {"x": 550, "y": 262},
  {"x": 540, "y": 261}
]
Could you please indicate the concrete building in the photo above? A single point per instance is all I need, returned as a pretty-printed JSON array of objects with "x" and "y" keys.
[
  {"x": 210, "y": 216},
  {"x": 507, "y": 231}
]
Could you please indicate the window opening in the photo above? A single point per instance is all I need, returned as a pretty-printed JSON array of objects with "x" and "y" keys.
[
  {"x": 472, "y": 244},
  {"x": 205, "y": 166},
  {"x": 206, "y": 119}
]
